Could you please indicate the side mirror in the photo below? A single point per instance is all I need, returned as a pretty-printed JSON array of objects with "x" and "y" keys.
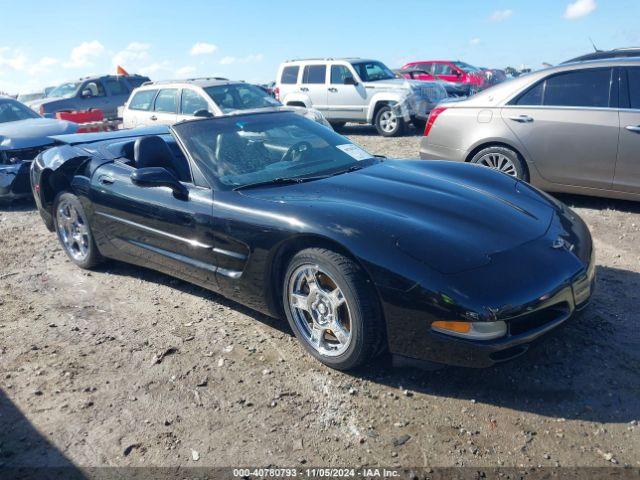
[
  {"x": 86, "y": 93},
  {"x": 159, "y": 177},
  {"x": 202, "y": 113},
  {"x": 350, "y": 81}
]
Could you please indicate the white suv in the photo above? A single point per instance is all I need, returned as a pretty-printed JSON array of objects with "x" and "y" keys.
[
  {"x": 170, "y": 102},
  {"x": 357, "y": 90}
]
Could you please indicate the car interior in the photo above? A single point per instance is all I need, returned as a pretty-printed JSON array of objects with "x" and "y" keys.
[{"x": 153, "y": 151}]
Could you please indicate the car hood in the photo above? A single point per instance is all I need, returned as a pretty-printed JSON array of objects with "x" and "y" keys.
[
  {"x": 33, "y": 132},
  {"x": 450, "y": 216},
  {"x": 35, "y": 104}
]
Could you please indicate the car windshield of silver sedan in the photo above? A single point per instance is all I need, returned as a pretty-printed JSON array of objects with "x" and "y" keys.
[
  {"x": 373, "y": 71},
  {"x": 267, "y": 149},
  {"x": 12, "y": 111},
  {"x": 66, "y": 90},
  {"x": 240, "y": 97}
]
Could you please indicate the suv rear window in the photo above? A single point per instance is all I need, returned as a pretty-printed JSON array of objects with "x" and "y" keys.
[
  {"x": 290, "y": 75},
  {"x": 142, "y": 100},
  {"x": 314, "y": 74},
  {"x": 634, "y": 87},
  {"x": 580, "y": 88},
  {"x": 167, "y": 101},
  {"x": 115, "y": 86}
]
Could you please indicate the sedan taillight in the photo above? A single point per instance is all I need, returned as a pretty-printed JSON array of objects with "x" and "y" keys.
[{"x": 433, "y": 116}]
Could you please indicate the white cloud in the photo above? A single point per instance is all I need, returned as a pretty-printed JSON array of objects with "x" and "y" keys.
[
  {"x": 500, "y": 15},
  {"x": 185, "y": 71},
  {"x": 579, "y": 8},
  {"x": 83, "y": 55},
  {"x": 133, "y": 56},
  {"x": 155, "y": 68},
  {"x": 15, "y": 60},
  {"x": 474, "y": 41},
  {"x": 43, "y": 65},
  {"x": 203, "y": 48},
  {"x": 251, "y": 58}
]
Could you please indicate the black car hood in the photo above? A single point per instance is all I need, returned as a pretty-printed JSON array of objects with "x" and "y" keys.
[{"x": 449, "y": 215}]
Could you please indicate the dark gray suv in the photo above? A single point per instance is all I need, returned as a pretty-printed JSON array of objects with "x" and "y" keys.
[{"x": 106, "y": 92}]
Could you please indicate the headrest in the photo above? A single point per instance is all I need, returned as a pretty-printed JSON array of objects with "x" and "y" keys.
[{"x": 152, "y": 151}]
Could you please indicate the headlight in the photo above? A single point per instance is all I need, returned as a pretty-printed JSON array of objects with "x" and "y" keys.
[{"x": 471, "y": 330}]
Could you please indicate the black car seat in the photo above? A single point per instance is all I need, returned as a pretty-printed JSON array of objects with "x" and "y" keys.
[{"x": 153, "y": 151}]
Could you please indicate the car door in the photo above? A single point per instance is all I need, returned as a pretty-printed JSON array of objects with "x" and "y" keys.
[
  {"x": 149, "y": 226},
  {"x": 93, "y": 95},
  {"x": 346, "y": 101},
  {"x": 191, "y": 102},
  {"x": 627, "y": 172},
  {"x": 569, "y": 127},
  {"x": 165, "y": 107},
  {"x": 426, "y": 68},
  {"x": 117, "y": 94},
  {"x": 140, "y": 109},
  {"x": 446, "y": 71},
  {"x": 314, "y": 85}
]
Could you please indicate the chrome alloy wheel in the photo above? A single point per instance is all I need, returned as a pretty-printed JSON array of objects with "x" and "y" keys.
[
  {"x": 319, "y": 310},
  {"x": 73, "y": 231},
  {"x": 498, "y": 161},
  {"x": 388, "y": 121}
]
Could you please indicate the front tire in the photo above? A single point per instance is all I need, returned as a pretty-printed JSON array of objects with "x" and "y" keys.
[
  {"x": 74, "y": 232},
  {"x": 388, "y": 123},
  {"x": 502, "y": 159},
  {"x": 332, "y": 308}
]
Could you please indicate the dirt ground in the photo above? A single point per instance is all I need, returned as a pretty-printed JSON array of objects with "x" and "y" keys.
[{"x": 127, "y": 367}]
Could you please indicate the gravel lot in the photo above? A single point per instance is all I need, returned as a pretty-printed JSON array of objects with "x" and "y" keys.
[{"x": 124, "y": 366}]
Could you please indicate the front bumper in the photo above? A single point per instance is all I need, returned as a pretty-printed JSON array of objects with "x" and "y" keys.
[
  {"x": 534, "y": 290},
  {"x": 14, "y": 181}
]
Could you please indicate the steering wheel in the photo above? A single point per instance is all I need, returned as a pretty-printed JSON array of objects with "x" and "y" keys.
[{"x": 296, "y": 151}]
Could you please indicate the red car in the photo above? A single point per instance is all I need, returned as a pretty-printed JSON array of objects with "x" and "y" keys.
[{"x": 450, "y": 71}]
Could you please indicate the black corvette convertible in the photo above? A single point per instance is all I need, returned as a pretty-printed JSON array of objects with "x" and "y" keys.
[{"x": 436, "y": 261}]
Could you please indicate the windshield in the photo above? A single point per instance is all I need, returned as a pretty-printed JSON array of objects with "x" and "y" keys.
[
  {"x": 373, "y": 71},
  {"x": 27, "y": 97},
  {"x": 465, "y": 67},
  {"x": 249, "y": 149},
  {"x": 66, "y": 90},
  {"x": 240, "y": 96},
  {"x": 12, "y": 111}
]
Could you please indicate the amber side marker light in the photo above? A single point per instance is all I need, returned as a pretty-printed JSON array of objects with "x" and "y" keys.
[{"x": 471, "y": 330}]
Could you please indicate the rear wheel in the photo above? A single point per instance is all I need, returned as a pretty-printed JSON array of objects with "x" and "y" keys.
[
  {"x": 73, "y": 230},
  {"x": 388, "y": 123},
  {"x": 502, "y": 159},
  {"x": 332, "y": 309}
]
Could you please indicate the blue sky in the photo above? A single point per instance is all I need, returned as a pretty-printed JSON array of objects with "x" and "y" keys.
[{"x": 44, "y": 43}]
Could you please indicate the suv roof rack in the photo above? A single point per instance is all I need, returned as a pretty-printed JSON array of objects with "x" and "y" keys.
[
  {"x": 195, "y": 79},
  {"x": 321, "y": 58}
]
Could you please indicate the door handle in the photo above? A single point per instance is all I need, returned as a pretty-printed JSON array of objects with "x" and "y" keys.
[
  {"x": 304, "y": 89},
  {"x": 153, "y": 117},
  {"x": 633, "y": 128},
  {"x": 332, "y": 89},
  {"x": 106, "y": 180},
  {"x": 522, "y": 119}
]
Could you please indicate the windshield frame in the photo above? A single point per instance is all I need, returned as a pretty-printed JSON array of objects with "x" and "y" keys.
[{"x": 217, "y": 184}]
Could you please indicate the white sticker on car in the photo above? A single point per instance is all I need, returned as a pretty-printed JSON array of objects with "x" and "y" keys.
[{"x": 354, "y": 151}]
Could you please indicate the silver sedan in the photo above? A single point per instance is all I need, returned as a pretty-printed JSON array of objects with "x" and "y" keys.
[{"x": 573, "y": 128}]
